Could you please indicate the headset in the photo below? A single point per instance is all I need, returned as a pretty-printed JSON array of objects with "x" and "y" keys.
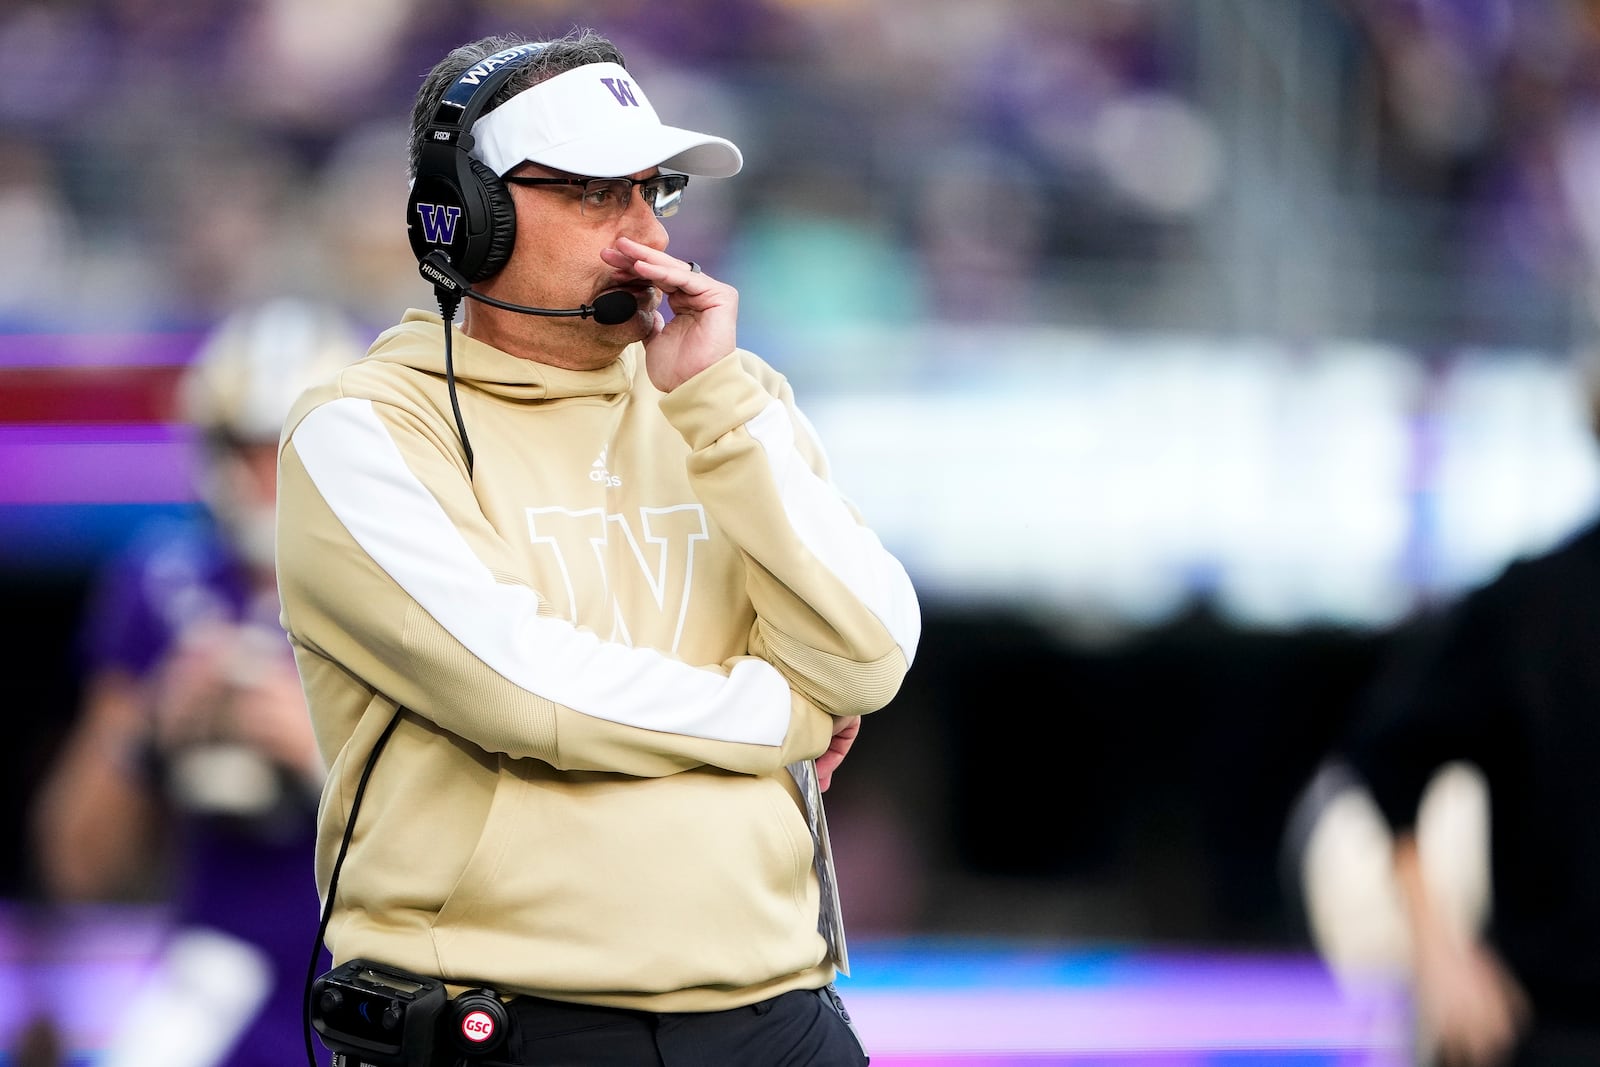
[
  {"x": 461, "y": 219},
  {"x": 458, "y": 204}
]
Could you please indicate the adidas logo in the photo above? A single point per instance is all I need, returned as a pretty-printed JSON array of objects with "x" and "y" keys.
[{"x": 598, "y": 472}]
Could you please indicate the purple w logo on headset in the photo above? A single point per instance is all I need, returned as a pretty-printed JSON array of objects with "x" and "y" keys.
[{"x": 439, "y": 222}]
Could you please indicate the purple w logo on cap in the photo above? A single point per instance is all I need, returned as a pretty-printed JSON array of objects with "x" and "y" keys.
[{"x": 622, "y": 90}]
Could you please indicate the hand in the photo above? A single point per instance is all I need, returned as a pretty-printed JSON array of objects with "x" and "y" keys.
[
  {"x": 844, "y": 735},
  {"x": 191, "y": 684},
  {"x": 705, "y": 313},
  {"x": 1469, "y": 1005},
  {"x": 269, "y": 714},
  {"x": 236, "y": 684}
]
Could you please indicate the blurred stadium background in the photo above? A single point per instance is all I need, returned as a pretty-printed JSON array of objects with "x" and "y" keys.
[{"x": 1182, "y": 350}]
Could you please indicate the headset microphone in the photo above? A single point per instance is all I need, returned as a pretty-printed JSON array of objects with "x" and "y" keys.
[
  {"x": 608, "y": 309},
  {"x": 461, "y": 219}
]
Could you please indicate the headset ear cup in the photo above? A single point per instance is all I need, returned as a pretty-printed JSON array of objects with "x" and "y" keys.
[
  {"x": 478, "y": 1021},
  {"x": 502, "y": 235}
]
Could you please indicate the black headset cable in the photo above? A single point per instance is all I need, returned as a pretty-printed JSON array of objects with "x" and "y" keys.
[{"x": 333, "y": 880}]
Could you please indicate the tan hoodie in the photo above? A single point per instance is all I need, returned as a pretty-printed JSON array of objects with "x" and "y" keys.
[{"x": 609, "y": 642}]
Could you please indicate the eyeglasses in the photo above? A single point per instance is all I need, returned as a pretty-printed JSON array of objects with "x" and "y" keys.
[{"x": 607, "y": 198}]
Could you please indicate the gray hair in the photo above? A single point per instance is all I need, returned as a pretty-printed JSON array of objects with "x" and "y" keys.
[{"x": 577, "y": 48}]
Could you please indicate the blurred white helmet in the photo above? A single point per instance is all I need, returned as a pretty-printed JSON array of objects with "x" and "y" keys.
[
  {"x": 237, "y": 392},
  {"x": 257, "y": 361}
]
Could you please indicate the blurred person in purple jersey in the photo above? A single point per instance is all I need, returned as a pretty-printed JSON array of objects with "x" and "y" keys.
[{"x": 192, "y": 774}]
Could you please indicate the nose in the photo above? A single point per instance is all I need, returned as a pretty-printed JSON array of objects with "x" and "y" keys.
[{"x": 640, "y": 223}]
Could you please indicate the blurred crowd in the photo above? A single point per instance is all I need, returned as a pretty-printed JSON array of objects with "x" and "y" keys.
[{"x": 1422, "y": 168}]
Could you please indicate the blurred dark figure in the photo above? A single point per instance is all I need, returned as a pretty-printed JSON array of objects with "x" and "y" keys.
[
  {"x": 192, "y": 774},
  {"x": 1476, "y": 751},
  {"x": 38, "y": 1044}
]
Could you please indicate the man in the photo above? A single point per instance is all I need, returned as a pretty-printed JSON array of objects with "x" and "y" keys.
[
  {"x": 1505, "y": 681},
  {"x": 1460, "y": 813},
  {"x": 589, "y": 569},
  {"x": 191, "y": 774}
]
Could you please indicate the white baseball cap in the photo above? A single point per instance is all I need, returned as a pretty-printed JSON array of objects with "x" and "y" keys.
[{"x": 594, "y": 120}]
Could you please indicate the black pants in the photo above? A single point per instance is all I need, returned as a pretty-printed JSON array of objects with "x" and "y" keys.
[{"x": 803, "y": 1028}]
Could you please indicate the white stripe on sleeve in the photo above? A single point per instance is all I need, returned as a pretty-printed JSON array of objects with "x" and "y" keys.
[
  {"x": 831, "y": 533},
  {"x": 356, "y": 466}
]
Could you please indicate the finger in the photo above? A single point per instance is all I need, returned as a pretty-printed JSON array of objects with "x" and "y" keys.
[
  {"x": 674, "y": 276},
  {"x": 824, "y": 775},
  {"x": 671, "y": 269}
]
